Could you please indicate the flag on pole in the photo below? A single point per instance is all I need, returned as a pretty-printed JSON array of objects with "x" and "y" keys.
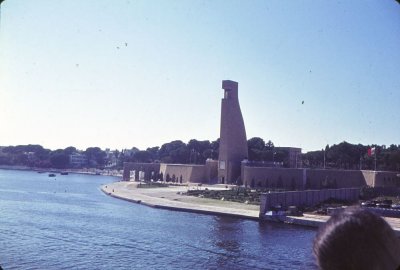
[{"x": 371, "y": 151}]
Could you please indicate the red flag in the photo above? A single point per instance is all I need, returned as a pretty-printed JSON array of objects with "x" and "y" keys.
[{"x": 371, "y": 151}]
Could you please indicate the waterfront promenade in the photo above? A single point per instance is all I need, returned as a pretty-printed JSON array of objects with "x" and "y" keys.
[{"x": 171, "y": 198}]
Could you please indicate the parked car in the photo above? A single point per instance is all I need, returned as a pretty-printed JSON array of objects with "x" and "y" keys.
[
  {"x": 368, "y": 204},
  {"x": 383, "y": 204},
  {"x": 395, "y": 206}
]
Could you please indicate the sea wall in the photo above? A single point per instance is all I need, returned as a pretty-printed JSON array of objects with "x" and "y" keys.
[{"x": 306, "y": 197}]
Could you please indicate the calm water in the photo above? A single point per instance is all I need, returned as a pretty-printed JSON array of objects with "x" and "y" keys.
[{"x": 68, "y": 223}]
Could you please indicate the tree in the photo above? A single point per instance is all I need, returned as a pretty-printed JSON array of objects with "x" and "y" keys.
[
  {"x": 96, "y": 156},
  {"x": 256, "y": 147},
  {"x": 174, "y": 152},
  {"x": 269, "y": 145},
  {"x": 70, "y": 150},
  {"x": 59, "y": 159},
  {"x": 142, "y": 156},
  {"x": 154, "y": 152}
]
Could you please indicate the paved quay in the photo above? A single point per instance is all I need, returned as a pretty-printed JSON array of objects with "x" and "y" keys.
[{"x": 171, "y": 198}]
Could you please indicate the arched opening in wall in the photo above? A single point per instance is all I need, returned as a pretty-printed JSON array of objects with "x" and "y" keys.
[
  {"x": 141, "y": 175},
  {"x": 167, "y": 177},
  {"x": 279, "y": 184},
  {"x": 252, "y": 183},
  {"x": 173, "y": 178},
  {"x": 223, "y": 180},
  {"x": 152, "y": 176},
  {"x": 161, "y": 176},
  {"x": 180, "y": 179}
]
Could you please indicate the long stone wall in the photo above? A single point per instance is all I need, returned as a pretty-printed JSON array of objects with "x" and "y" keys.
[
  {"x": 274, "y": 178},
  {"x": 306, "y": 197},
  {"x": 183, "y": 173},
  {"x": 320, "y": 178},
  {"x": 300, "y": 179},
  {"x": 265, "y": 177}
]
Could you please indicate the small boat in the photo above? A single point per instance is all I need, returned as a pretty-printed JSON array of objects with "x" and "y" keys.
[
  {"x": 41, "y": 172},
  {"x": 52, "y": 175},
  {"x": 64, "y": 173}
]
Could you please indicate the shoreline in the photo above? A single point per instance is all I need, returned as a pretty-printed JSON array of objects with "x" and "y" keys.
[
  {"x": 90, "y": 171},
  {"x": 170, "y": 199}
]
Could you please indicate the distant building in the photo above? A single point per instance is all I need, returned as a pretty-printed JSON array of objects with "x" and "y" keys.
[
  {"x": 78, "y": 160},
  {"x": 111, "y": 159}
]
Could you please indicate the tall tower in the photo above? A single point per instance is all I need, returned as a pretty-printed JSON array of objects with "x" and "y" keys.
[{"x": 233, "y": 142}]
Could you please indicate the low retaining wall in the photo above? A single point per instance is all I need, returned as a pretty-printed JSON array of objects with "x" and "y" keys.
[
  {"x": 385, "y": 212},
  {"x": 306, "y": 198}
]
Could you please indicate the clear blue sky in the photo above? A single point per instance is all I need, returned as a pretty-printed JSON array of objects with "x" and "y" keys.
[{"x": 130, "y": 73}]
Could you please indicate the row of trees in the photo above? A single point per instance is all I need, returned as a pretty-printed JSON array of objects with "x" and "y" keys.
[
  {"x": 340, "y": 156},
  {"x": 194, "y": 152},
  {"x": 354, "y": 156},
  {"x": 37, "y": 156}
]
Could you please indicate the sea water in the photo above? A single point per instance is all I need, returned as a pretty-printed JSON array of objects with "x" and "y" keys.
[{"x": 66, "y": 222}]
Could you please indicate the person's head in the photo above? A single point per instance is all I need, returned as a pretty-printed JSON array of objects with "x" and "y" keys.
[{"x": 356, "y": 239}]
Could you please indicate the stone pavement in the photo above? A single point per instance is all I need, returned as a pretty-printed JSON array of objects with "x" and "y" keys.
[{"x": 169, "y": 198}]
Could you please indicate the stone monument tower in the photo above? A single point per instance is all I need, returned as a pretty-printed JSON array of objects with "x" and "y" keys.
[{"x": 233, "y": 141}]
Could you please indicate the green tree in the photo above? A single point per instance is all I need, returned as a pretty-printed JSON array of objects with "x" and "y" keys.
[{"x": 96, "y": 157}]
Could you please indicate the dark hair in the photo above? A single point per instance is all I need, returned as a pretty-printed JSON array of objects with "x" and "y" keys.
[{"x": 356, "y": 239}]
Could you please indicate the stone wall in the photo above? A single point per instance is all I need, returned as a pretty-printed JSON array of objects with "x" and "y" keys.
[
  {"x": 320, "y": 178},
  {"x": 211, "y": 171},
  {"x": 387, "y": 179},
  {"x": 183, "y": 173},
  {"x": 274, "y": 178},
  {"x": 265, "y": 177},
  {"x": 150, "y": 170},
  {"x": 306, "y": 197},
  {"x": 298, "y": 179}
]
